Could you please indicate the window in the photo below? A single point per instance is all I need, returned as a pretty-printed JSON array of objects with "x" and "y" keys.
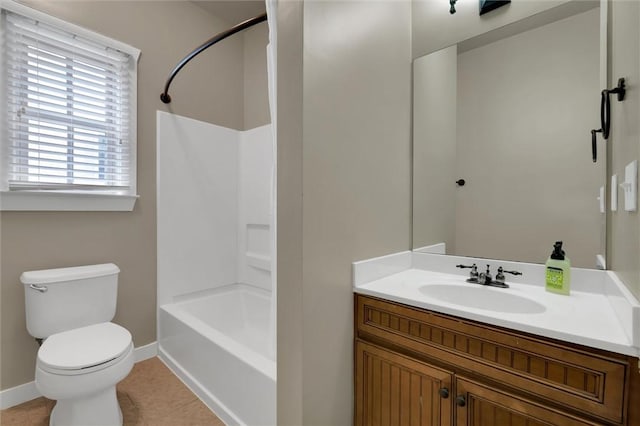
[{"x": 69, "y": 99}]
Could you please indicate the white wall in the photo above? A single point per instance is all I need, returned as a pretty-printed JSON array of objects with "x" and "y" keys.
[
  {"x": 254, "y": 207},
  {"x": 197, "y": 166},
  {"x": 213, "y": 206}
]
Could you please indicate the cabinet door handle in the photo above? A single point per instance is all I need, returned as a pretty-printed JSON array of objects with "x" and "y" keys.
[
  {"x": 461, "y": 401},
  {"x": 444, "y": 393}
]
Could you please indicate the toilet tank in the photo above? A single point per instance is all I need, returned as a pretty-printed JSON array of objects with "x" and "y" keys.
[{"x": 66, "y": 298}]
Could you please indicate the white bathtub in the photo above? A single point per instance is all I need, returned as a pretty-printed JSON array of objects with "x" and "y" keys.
[{"x": 219, "y": 344}]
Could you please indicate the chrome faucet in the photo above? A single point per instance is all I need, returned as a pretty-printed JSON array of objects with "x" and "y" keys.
[{"x": 485, "y": 278}]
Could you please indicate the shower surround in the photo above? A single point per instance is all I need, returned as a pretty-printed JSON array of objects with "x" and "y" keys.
[{"x": 215, "y": 317}]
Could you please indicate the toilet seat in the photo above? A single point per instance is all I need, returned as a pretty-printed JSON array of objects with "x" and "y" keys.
[{"x": 84, "y": 350}]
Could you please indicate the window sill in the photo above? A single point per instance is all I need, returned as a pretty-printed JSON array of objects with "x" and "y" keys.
[{"x": 65, "y": 201}]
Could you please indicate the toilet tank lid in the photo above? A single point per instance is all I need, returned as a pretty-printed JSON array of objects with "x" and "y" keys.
[{"x": 49, "y": 276}]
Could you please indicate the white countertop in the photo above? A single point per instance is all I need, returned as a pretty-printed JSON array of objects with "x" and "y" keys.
[{"x": 592, "y": 315}]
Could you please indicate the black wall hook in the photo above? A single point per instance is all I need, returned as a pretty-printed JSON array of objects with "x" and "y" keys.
[
  {"x": 620, "y": 90},
  {"x": 605, "y": 106},
  {"x": 594, "y": 145}
]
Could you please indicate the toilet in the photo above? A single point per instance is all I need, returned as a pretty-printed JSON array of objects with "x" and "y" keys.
[{"x": 83, "y": 355}]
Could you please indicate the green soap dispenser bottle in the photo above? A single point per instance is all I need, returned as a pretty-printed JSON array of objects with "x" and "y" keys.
[{"x": 558, "y": 271}]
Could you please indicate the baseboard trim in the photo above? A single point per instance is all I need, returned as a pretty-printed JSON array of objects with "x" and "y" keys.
[
  {"x": 28, "y": 391},
  {"x": 146, "y": 352},
  {"x": 18, "y": 395}
]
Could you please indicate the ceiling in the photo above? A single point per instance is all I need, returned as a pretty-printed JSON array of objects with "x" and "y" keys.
[{"x": 233, "y": 11}]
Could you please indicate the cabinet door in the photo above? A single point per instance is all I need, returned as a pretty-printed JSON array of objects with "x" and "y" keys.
[
  {"x": 480, "y": 405},
  {"x": 392, "y": 389}
]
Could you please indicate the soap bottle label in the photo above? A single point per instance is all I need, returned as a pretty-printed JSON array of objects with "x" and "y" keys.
[{"x": 554, "y": 277}]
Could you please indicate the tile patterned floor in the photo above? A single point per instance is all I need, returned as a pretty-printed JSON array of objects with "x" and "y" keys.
[{"x": 150, "y": 396}]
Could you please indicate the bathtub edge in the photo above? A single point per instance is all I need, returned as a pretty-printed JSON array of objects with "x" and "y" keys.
[{"x": 213, "y": 403}]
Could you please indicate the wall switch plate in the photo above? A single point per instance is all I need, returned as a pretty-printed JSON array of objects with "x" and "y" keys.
[
  {"x": 601, "y": 199},
  {"x": 614, "y": 193},
  {"x": 630, "y": 186}
]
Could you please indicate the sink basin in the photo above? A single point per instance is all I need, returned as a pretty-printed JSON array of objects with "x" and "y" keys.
[{"x": 480, "y": 297}]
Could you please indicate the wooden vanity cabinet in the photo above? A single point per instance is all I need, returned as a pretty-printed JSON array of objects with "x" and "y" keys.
[
  {"x": 393, "y": 389},
  {"x": 486, "y": 406},
  {"x": 416, "y": 367}
]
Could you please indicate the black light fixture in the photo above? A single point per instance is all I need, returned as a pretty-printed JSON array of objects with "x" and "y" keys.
[
  {"x": 485, "y": 5},
  {"x": 489, "y": 5}
]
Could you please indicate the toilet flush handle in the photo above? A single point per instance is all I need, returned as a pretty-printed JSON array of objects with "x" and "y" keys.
[{"x": 40, "y": 288}]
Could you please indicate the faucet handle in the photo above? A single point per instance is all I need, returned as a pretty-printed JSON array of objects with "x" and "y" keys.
[
  {"x": 474, "y": 266},
  {"x": 501, "y": 272},
  {"x": 473, "y": 274}
]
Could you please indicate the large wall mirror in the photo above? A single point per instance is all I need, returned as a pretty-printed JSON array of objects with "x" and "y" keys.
[{"x": 510, "y": 112}]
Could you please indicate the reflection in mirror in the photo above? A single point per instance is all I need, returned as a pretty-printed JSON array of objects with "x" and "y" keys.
[{"x": 512, "y": 117}]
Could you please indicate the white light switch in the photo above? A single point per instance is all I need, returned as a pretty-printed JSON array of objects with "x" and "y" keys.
[
  {"x": 602, "y": 200},
  {"x": 614, "y": 193},
  {"x": 630, "y": 186}
]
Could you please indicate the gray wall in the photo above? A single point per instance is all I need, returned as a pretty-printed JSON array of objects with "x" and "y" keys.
[
  {"x": 289, "y": 213},
  {"x": 256, "y": 96},
  {"x": 210, "y": 88},
  {"x": 530, "y": 180},
  {"x": 355, "y": 173},
  {"x": 530, "y": 177},
  {"x": 624, "y": 141},
  {"x": 434, "y": 148},
  {"x": 434, "y": 28}
]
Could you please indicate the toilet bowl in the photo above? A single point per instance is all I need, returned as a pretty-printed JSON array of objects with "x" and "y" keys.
[
  {"x": 83, "y": 355},
  {"x": 80, "y": 369}
]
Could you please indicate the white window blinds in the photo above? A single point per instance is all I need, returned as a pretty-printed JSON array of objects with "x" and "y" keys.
[{"x": 68, "y": 101}]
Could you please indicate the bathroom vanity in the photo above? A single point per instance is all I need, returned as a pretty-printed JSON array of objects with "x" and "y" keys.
[{"x": 425, "y": 361}]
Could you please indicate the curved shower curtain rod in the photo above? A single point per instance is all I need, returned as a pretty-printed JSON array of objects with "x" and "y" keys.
[{"x": 164, "y": 97}]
